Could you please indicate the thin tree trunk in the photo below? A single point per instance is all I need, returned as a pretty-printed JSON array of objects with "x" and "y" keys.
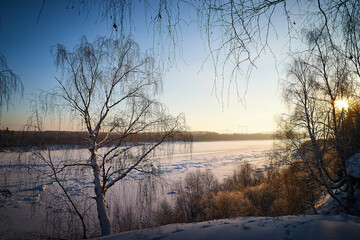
[
  {"x": 103, "y": 215},
  {"x": 105, "y": 223}
]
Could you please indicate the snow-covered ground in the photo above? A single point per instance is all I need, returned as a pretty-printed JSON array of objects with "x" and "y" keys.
[
  {"x": 317, "y": 227},
  {"x": 30, "y": 198}
]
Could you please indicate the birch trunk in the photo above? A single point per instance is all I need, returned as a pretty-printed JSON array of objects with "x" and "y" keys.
[{"x": 103, "y": 215}]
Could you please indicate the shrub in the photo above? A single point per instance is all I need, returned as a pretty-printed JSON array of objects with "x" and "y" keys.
[
  {"x": 227, "y": 204},
  {"x": 243, "y": 176},
  {"x": 195, "y": 187},
  {"x": 164, "y": 214},
  {"x": 247, "y": 192}
]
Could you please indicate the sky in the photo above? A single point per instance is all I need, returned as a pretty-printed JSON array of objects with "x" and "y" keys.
[{"x": 187, "y": 89}]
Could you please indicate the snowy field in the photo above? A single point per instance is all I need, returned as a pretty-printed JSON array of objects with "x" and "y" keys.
[
  {"x": 30, "y": 196},
  {"x": 309, "y": 227}
]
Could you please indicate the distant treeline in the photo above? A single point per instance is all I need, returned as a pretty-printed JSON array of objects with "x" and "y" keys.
[
  {"x": 13, "y": 139},
  {"x": 213, "y": 136},
  {"x": 24, "y": 139}
]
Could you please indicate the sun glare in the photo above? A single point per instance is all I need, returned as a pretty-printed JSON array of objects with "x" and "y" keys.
[{"x": 342, "y": 104}]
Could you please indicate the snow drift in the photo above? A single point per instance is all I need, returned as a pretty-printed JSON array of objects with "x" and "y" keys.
[{"x": 330, "y": 227}]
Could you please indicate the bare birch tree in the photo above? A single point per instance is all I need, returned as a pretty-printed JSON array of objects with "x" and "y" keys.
[
  {"x": 110, "y": 87},
  {"x": 318, "y": 82}
]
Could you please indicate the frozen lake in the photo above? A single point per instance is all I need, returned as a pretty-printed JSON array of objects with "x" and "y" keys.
[
  {"x": 29, "y": 198},
  {"x": 220, "y": 156}
]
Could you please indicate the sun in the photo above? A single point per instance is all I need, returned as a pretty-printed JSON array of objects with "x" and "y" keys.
[{"x": 342, "y": 104}]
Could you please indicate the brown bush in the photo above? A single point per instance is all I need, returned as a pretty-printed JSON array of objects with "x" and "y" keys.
[
  {"x": 227, "y": 205},
  {"x": 243, "y": 176},
  {"x": 299, "y": 191},
  {"x": 196, "y": 186},
  {"x": 246, "y": 192},
  {"x": 165, "y": 214}
]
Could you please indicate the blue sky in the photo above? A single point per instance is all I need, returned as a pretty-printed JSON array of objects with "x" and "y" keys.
[{"x": 26, "y": 45}]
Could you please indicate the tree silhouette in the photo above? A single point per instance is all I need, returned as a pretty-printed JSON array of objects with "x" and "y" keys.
[
  {"x": 110, "y": 86},
  {"x": 317, "y": 80}
]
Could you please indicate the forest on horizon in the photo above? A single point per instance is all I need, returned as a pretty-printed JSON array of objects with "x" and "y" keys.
[{"x": 14, "y": 139}]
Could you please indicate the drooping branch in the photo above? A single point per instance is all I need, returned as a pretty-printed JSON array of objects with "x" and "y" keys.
[
  {"x": 124, "y": 174},
  {"x": 10, "y": 84}
]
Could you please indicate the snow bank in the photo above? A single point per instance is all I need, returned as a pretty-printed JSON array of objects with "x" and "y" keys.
[
  {"x": 288, "y": 227},
  {"x": 353, "y": 166}
]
